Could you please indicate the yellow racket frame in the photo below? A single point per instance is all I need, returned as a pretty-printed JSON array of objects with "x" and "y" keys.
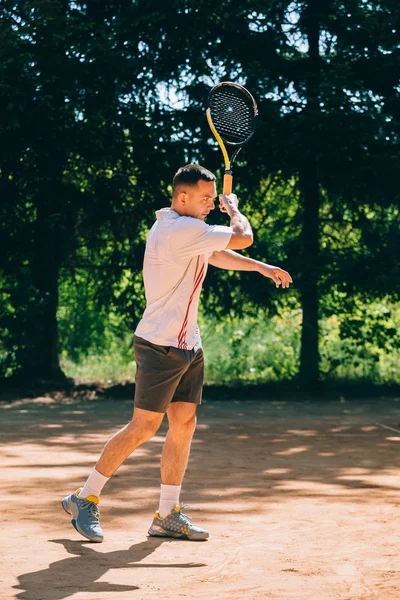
[{"x": 228, "y": 177}]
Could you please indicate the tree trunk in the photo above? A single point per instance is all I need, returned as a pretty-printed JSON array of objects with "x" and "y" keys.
[
  {"x": 309, "y": 354},
  {"x": 51, "y": 148},
  {"x": 308, "y": 175},
  {"x": 42, "y": 360}
]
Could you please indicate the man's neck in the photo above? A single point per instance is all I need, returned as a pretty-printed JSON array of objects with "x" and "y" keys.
[{"x": 178, "y": 210}]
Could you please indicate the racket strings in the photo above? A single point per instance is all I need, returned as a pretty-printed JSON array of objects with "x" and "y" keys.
[{"x": 232, "y": 115}]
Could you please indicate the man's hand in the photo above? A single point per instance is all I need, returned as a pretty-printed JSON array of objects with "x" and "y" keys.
[
  {"x": 228, "y": 203},
  {"x": 280, "y": 276},
  {"x": 242, "y": 234}
]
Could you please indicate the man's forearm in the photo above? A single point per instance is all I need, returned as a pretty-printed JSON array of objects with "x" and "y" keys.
[
  {"x": 239, "y": 223},
  {"x": 232, "y": 261}
]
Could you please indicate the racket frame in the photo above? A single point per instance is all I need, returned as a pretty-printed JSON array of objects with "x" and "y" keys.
[{"x": 228, "y": 174}]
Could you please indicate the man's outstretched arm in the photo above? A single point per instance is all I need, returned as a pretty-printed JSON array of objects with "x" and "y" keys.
[{"x": 232, "y": 261}]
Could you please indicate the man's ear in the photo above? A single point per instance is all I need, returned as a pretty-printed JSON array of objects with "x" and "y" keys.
[{"x": 183, "y": 198}]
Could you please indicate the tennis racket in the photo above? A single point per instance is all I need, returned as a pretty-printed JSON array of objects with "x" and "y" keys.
[{"x": 232, "y": 116}]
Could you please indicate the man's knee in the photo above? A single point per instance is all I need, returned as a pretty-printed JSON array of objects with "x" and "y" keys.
[
  {"x": 146, "y": 426},
  {"x": 183, "y": 423}
]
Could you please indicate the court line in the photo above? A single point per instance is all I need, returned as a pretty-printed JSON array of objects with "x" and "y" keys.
[{"x": 387, "y": 427}]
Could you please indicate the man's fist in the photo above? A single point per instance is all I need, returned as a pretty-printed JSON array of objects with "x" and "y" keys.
[{"x": 228, "y": 203}]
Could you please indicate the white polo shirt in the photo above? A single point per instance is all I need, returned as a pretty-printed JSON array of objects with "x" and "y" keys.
[{"x": 175, "y": 265}]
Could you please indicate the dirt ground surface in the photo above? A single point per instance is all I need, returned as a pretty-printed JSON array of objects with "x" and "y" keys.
[{"x": 301, "y": 499}]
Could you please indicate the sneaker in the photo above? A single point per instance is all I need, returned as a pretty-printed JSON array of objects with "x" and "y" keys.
[
  {"x": 176, "y": 525},
  {"x": 85, "y": 514}
]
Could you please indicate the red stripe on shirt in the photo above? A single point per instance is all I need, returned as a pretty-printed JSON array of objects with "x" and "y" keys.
[
  {"x": 194, "y": 283},
  {"x": 197, "y": 281},
  {"x": 182, "y": 333},
  {"x": 194, "y": 280}
]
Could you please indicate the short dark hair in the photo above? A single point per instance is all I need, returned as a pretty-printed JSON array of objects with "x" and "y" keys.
[{"x": 191, "y": 175}]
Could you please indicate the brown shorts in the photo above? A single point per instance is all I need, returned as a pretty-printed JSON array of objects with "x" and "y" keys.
[{"x": 166, "y": 374}]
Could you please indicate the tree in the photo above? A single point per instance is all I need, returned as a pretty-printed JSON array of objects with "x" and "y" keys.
[
  {"x": 325, "y": 78},
  {"x": 76, "y": 167},
  {"x": 101, "y": 102}
]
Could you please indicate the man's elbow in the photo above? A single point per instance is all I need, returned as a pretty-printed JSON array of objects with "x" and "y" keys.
[
  {"x": 248, "y": 239},
  {"x": 240, "y": 241}
]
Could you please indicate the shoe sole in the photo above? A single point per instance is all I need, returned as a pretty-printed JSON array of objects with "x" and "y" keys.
[
  {"x": 64, "y": 504},
  {"x": 160, "y": 532}
]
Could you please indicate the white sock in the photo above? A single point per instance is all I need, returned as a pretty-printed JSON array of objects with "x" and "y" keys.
[
  {"x": 94, "y": 484},
  {"x": 169, "y": 498}
]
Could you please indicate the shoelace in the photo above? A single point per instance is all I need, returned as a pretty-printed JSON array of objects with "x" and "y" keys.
[
  {"x": 93, "y": 512},
  {"x": 188, "y": 519}
]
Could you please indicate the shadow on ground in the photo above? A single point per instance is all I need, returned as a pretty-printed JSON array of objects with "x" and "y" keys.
[{"x": 80, "y": 573}]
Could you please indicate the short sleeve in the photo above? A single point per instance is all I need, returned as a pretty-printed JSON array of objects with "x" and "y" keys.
[{"x": 191, "y": 237}]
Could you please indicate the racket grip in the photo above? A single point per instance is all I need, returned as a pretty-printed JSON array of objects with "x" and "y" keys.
[{"x": 228, "y": 180}]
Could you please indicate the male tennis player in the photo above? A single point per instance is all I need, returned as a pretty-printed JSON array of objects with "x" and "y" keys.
[{"x": 168, "y": 353}]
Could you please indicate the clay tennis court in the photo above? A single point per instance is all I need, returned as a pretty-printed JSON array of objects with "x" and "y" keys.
[{"x": 301, "y": 499}]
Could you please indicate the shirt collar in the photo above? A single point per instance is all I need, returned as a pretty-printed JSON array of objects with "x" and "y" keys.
[{"x": 166, "y": 212}]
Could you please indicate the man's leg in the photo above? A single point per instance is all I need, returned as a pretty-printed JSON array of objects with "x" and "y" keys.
[
  {"x": 83, "y": 507},
  {"x": 182, "y": 420},
  {"x": 182, "y": 423},
  {"x": 174, "y": 459},
  {"x": 143, "y": 426},
  {"x": 168, "y": 520}
]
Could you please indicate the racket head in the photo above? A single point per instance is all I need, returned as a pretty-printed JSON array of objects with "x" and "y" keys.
[{"x": 233, "y": 112}]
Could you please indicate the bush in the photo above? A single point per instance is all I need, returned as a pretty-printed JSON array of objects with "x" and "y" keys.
[{"x": 260, "y": 348}]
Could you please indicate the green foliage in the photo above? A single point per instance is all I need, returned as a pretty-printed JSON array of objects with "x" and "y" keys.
[
  {"x": 90, "y": 328},
  {"x": 251, "y": 349},
  {"x": 109, "y": 363},
  {"x": 361, "y": 340},
  {"x": 19, "y": 309},
  {"x": 260, "y": 348}
]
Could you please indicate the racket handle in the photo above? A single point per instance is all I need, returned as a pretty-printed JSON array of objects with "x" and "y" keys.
[{"x": 228, "y": 179}]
